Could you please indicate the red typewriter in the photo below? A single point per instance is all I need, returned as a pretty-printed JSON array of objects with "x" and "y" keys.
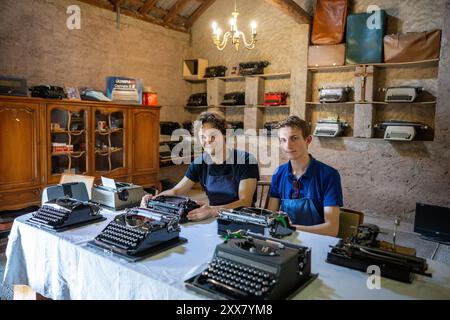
[{"x": 275, "y": 98}]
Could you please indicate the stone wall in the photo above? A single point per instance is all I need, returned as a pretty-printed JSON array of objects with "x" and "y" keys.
[{"x": 36, "y": 44}]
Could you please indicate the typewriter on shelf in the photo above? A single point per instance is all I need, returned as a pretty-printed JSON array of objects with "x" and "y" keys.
[
  {"x": 252, "y": 68},
  {"x": 216, "y": 71},
  {"x": 63, "y": 213},
  {"x": 399, "y": 130},
  {"x": 124, "y": 195},
  {"x": 197, "y": 100},
  {"x": 173, "y": 205},
  {"x": 251, "y": 266},
  {"x": 363, "y": 250},
  {"x": 168, "y": 127},
  {"x": 48, "y": 92},
  {"x": 402, "y": 94},
  {"x": 139, "y": 231},
  {"x": 256, "y": 220},
  {"x": 234, "y": 99},
  {"x": 275, "y": 98},
  {"x": 330, "y": 128},
  {"x": 236, "y": 125},
  {"x": 333, "y": 95}
]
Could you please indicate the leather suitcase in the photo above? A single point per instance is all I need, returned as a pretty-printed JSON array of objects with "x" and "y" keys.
[
  {"x": 412, "y": 46},
  {"x": 326, "y": 56},
  {"x": 364, "y": 44},
  {"x": 329, "y": 22}
]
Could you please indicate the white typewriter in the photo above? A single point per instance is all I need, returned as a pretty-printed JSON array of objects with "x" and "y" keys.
[
  {"x": 397, "y": 130},
  {"x": 402, "y": 94},
  {"x": 330, "y": 128},
  {"x": 125, "y": 95}
]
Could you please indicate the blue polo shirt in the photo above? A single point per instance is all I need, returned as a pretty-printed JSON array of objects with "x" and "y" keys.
[{"x": 323, "y": 180}]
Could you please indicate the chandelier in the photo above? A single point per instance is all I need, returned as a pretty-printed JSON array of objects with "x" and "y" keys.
[{"x": 234, "y": 34}]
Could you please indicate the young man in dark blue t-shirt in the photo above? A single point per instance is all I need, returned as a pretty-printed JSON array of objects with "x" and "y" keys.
[
  {"x": 308, "y": 190},
  {"x": 228, "y": 176}
]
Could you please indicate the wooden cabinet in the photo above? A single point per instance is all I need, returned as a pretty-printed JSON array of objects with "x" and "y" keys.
[{"x": 42, "y": 139}]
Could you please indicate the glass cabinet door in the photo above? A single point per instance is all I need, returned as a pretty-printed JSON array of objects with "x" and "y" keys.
[
  {"x": 68, "y": 134},
  {"x": 109, "y": 140}
]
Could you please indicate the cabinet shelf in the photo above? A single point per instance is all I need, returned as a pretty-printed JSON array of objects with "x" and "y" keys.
[
  {"x": 75, "y": 154},
  {"x": 352, "y": 67},
  {"x": 107, "y": 153},
  {"x": 108, "y": 132}
]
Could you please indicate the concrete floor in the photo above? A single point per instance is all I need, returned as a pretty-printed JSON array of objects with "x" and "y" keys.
[{"x": 405, "y": 237}]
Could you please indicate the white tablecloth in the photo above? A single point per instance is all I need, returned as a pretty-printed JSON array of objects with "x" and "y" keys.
[{"x": 63, "y": 266}]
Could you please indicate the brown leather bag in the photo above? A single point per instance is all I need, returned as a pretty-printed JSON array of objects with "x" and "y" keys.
[
  {"x": 329, "y": 22},
  {"x": 326, "y": 56},
  {"x": 412, "y": 46}
]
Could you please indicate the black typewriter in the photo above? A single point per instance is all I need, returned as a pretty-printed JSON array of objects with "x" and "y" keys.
[
  {"x": 168, "y": 127},
  {"x": 252, "y": 68},
  {"x": 364, "y": 250},
  {"x": 250, "y": 266},
  {"x": 173, "y": 205},
  {"x": 234, "y": 99},
  {"x": 47, "y": 92},
  {"x": 216, "y": 71},
  {"x": 197, "y": 100},
  {"x": 256, "y": 220},
  {"x": 140, "y": 231},
  {"x": 64, "y": 213}
]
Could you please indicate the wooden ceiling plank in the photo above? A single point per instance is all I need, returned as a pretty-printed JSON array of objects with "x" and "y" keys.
[
  {"x": 197, "y": 13},
  {"x": 174, "y": 10},
  {"x": 147, "y": 7}
]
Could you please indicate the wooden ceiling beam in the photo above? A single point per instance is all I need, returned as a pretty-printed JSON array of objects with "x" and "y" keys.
[
  {"x": 292, "y": 9},
  {"x": 174, "y": 10},
  {"x": 137, "y": 15},
  {"x": 197, "y": 13},
  {"x": 147, "y": 7}
]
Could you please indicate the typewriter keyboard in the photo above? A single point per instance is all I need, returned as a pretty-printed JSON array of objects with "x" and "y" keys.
[
  {"x": 121, "y": 236},
  {"x": 239, "y": 277},
  {"x": 50, "y": 216}
]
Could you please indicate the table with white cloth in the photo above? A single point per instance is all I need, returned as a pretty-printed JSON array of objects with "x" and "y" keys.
[{"x": 63, "y": 266}]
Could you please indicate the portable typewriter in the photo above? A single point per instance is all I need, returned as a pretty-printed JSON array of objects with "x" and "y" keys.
[
  {"x": 140, "y": 231},
  {"x": 234, "y": 99},
  {"x": 330, "y": 128},
  {"x": 197, "y": 100},
  {"x": 275, "y": 98},
  {"x": 124, "y": 195},
  {"x": 402, "y": 94},
  {"x": 256, "y": 220},
  {"x": 64, "y": 213},
  {"x": 173, "y": 205},
  {"x": 364, "y": 250},
  {"x": 216, "y": 71},
  {"x": 333, "y": 95},
  {"x": 251, "y": 266},
  {"x": 252, "y": 68},
  {"x": 399, "y": 130}
]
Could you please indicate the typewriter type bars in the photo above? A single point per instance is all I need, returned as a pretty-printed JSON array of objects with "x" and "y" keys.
[
  {"x": 62, "y": 213},
  {"x": 173, "y": 205},
  {"x": 250, "y": 266},
  {"x": 256, "y": 220},
  {"x": 139, "y": 230}
]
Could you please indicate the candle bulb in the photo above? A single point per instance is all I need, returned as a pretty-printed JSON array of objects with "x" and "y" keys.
[
  {"x": 214, "y": 26},
  {"x": 253, "y": 25}
]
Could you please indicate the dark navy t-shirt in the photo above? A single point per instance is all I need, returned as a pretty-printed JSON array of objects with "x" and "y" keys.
[
  {"x": 325, "y": 183},
  {"x": 240, "y": 164}
]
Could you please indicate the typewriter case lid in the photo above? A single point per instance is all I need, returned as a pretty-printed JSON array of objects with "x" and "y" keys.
[{"x": 13, "y": 86}]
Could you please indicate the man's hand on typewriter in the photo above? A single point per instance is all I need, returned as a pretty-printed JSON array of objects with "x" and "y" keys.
[
  {"x": 148, "y": 197},
  {"x": 202, "y": 213}
]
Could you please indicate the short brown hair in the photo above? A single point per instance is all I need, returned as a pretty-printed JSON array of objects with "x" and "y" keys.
[
  {"x": 295, "y": 122},
  {"x": 216, "y": 119}
]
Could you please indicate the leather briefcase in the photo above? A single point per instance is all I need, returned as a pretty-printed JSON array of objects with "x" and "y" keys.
[
  {"x": 365, "y": 38},
  {"x": 326, "y": 56},
  {"x": 412, "y": 46},
  {"x": 329, "y": 22}
]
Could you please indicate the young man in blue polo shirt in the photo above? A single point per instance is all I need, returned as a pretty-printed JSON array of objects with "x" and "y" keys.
[
  {"x": 308, "y": 190},
  {"x": 228, "y": 176}
]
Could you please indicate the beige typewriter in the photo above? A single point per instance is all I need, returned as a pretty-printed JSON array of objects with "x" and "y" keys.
[
  {"x": 398, "y": 130},
  {"x": 330, "y": 128},
  {"x": 402, "y": 94}
]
